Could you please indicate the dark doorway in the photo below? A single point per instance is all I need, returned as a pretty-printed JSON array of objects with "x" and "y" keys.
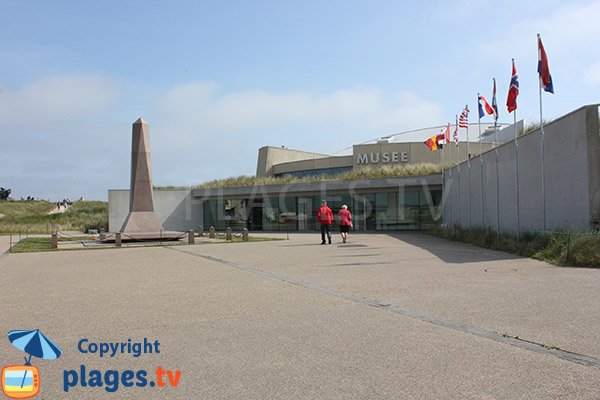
[{"x": 255, "y": 216}]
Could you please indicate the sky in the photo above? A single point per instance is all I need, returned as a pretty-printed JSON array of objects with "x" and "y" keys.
[{"x": 217, "y": 80}]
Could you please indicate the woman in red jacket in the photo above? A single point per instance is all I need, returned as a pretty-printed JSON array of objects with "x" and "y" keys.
[{"x": 345, "y": 222}]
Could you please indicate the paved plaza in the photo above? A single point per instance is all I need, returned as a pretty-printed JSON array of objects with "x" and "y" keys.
[{"x": 398, "y": 316}]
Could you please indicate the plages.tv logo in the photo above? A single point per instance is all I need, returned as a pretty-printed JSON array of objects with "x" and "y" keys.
[{"x": 23, "y": 381}]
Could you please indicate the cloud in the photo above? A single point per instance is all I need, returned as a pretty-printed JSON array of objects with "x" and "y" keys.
[
  {"x": 57, "y": 136},
  {"x": 199, "y": 105},
  {"x": 70, "y": 138},
  {"x": 57, "y": 100},
  {"x": 207, "y": 134},
  {"x": 571, "y": 29}
]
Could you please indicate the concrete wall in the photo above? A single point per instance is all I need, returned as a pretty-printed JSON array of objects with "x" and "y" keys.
[
  {"x": 177, "y": 210},
  {"x": 416, "y": 153},
  {"x": 269, "y": 156},
  {"x": 316, "y": 163},
  {"x": 275, "y": 160},
  {"x": 572, "y": 181}
]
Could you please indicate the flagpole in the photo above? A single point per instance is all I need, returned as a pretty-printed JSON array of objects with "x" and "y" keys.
[
  {"x": 517, "y": 171},
  {"x": 542, "y": 150},
  {"x": 468, "y": 173},
  {"x": 497, "y": 171},
  {"x": 444, "y": 219},
  {"x": 468, "y": 148},
  {"x": 497, "y": 187},
  {"x": 481, "y": 160},
  {"x": 457, "y": 166}
]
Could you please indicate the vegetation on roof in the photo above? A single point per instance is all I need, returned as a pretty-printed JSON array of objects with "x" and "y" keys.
[
  {"x": 363, "y": 173},
  {"x": 533, "y": 126}
]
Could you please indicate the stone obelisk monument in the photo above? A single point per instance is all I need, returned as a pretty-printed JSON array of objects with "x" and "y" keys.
[{"x": 141, "y": 218}]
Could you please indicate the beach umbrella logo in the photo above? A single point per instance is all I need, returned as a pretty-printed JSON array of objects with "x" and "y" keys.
[{"x": 23, "y": 381}]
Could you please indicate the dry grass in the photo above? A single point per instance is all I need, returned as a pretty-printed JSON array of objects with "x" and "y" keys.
[
  {"x": 363, "y": 173},
  {"x": 581, "y": 249},
  {"x": 33, "y": 217}
]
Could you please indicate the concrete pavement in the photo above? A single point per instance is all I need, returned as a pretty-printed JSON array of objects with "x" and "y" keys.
[{"x": 382, "y": 317}]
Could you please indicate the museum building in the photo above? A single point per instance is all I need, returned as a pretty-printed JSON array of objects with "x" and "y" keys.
[{"x": 395, "y": 203}]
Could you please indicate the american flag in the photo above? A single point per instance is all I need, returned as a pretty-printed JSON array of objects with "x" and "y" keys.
[{"x": 463, "y": 120}]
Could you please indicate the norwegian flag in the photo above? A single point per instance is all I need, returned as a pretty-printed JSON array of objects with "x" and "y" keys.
[
  {"x": 513, "y": 90},
  {"x": 463, "y": 120}
]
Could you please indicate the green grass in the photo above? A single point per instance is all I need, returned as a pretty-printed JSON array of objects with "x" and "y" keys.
[
  {"x": 30, "y": 245},
  {"x": 362, "y": 173},
  {"x": 33, "y": 217},
  {"x": 559, "y": 248}
]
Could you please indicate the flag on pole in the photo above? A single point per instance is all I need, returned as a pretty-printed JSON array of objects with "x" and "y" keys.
[
  {"x": 455, "y": 135},
  {"x": 431, "y": 143},
  {"x": 435, "y": 142},
  {"x": 484, "y": 107},
  {"x": 543, "y": 68},
  {"x": 441, "y": 140},
  {"x": 447, "y": 134},
  {"x": 513, "y": 90},
  {"x": 494, "y": 102},
  {"x": 463, "y": 120}
]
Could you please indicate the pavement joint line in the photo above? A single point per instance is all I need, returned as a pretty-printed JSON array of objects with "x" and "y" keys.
[{"x": 581, "y": 359}]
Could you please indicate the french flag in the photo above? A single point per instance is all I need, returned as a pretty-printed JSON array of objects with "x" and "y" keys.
[
  {"x": 543, "y": 68},
  {"x": 484, "y": 107}
]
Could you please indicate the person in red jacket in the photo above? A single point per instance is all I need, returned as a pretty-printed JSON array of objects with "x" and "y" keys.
[
  {"x": 325, "y": 217},
  {"x": 345, "y": 222}
]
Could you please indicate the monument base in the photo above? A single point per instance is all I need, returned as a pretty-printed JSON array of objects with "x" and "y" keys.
[
  {"x": 164, "y": 236},
  {"x": 141, "y": 221}
]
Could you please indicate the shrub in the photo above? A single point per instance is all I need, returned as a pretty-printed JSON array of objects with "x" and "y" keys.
[{"x": 560, "y": 248}]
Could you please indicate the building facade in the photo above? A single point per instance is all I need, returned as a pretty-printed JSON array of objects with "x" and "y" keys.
[
  {"x": 400, "y": 203},
  {"x": 389, "y": 151}
]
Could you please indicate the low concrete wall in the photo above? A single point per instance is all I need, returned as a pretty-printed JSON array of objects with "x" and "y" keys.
[
  {"x": 572, "y": 181},
  {"x": 177, "y": 210}
]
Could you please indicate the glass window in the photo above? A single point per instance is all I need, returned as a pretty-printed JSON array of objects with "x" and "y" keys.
[
  {"x": 288, "y": 214},
  {"x": 209, "y": 211},
  {"x": 306, "y": 214},
  {"x": 270, "y": 214}
]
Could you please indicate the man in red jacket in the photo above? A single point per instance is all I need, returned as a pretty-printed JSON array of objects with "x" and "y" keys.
[{"x": 325, "y": 217}]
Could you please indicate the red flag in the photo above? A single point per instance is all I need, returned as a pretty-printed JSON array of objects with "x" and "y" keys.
[
  {"x": 447, "y": 134},
  {"x": 432, "y": 143},
  {"x": 513, "y": 90},
  {"x": 441, "y": 139},
  {"x": 543, "y": 68},
  {"x": 494, "y": 103}
]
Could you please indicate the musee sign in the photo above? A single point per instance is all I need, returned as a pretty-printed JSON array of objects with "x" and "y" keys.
[{"x": 384, "y": 157}]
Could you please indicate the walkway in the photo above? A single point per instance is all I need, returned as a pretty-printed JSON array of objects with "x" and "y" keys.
[{"x": 382, "y": 317}]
